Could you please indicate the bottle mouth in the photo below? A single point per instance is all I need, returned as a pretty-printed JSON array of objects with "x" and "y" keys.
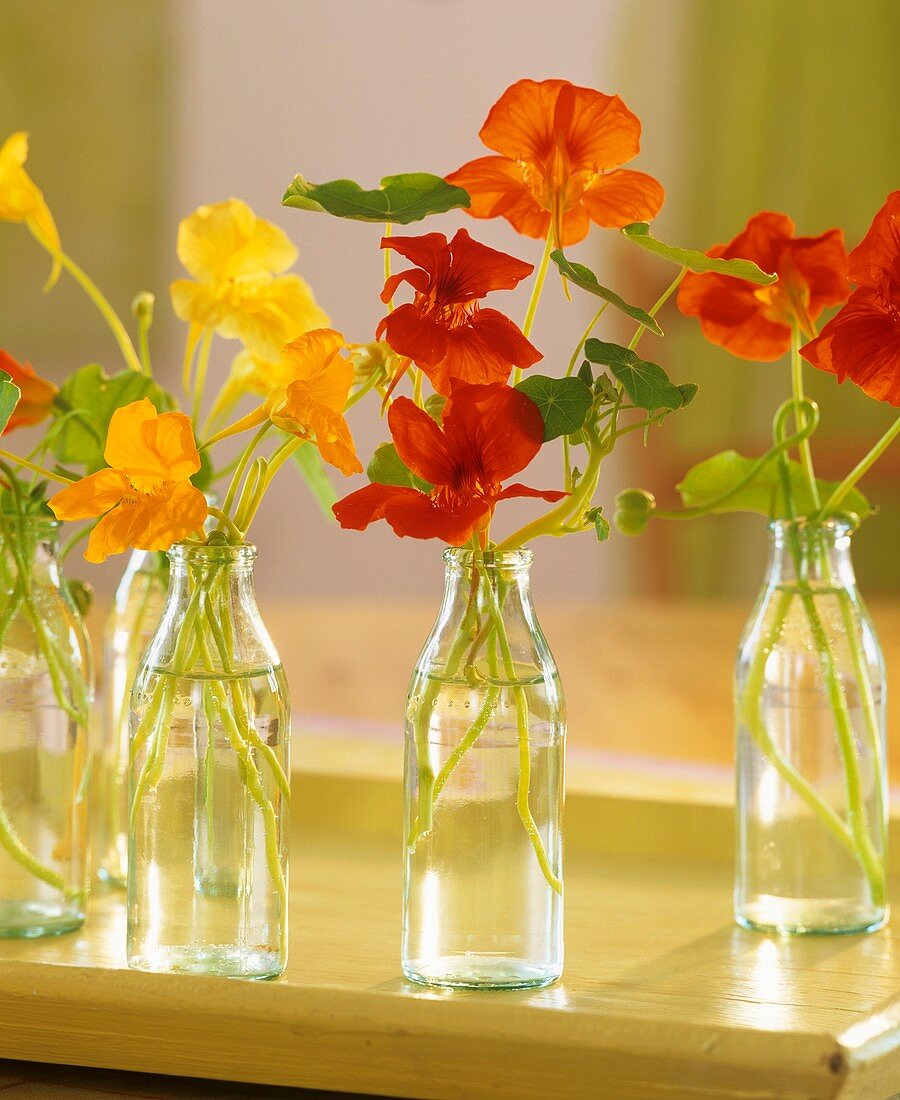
[
  {"x": 216, "y": 553},
  {"x": 831, "y": 529},
  {"x": 463, "y": 558}
]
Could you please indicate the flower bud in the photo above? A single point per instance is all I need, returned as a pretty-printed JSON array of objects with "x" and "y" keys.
[
  {"x": 142, "y": 307},
  {"x": 633, "y": 510}
]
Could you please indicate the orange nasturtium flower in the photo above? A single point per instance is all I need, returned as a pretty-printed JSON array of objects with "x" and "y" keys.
[
  {"x": 22, "y": 201},
  {"x": 236, "y": 260},
  {"x": 309, "y": 403},
  {"x": 37, "y": 393},
  {"x": 145, "y": 495},
  {"x": 560, "y": 148},
  {"x": 755, "y": 322},
  {"x": 443, "y": 330},
  {"x": 488, "y": 433},
  {"x": 862, "y": 341}
]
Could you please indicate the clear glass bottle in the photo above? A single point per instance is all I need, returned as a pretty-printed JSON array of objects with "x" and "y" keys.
[
  {"x": 130, "y": 625},
  {"x": 209, "y": 787},
  {"x": 812, "y": 792},
  {"x": 484, "y": 787},
  {"x": 45, "y": 699}
]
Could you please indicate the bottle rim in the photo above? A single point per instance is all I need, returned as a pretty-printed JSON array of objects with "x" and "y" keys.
[
  {"x": 217, "y": 553},
  {"x": 834, "y": 527},
  {"x": 462, "y": 557}
]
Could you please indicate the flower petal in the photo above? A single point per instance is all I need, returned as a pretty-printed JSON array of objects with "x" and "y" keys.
[
  {"x": 22, "y": 201},
  {"x": 153, "y": 522},
  {"x": 862, "y": 343},
  {"x": 420, "y": 442},
  {"x": 482, "y": 351},
  {"x": 879, "y": 251},
  {"x": 476, "y": 270},
  {"x": 598, "y": 130},
  {"x": 822, "y": 263},
  {"x": 520, "y": 125},
  {"x": 492, "y": 430},
  {"x": 410, "y": 333},
  {"x": 226, "y": 240},
  {"x": 429, "y": 251},
  {"x": 91, "y": 496},
  {"x": 517, "y": 490},
  {"x": 37, "y": 393},
  {"x": 314, "y": 359},
  {"x": 731, "y": 316},
  {"x": 146, "y": 444},
  {"x": 497, "y": 188},
  {"x": 619, "y": 198},
  {"x": 264, "y": 314},
  {"x": 357, "y": 510}
]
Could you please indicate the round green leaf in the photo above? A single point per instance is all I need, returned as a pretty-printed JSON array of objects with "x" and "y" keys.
[{"x": 563, "y": 403}]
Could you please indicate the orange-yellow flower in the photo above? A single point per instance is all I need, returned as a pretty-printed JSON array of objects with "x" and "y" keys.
[
  {"x": 37, "y": 393},
  {"x": 144, "y": 496},
  {"x": 236, "y": 260},
  {"x": 560, "y": 150},
  {"x": 22, "y": 201},
  {"x": 310, "y": 403}
]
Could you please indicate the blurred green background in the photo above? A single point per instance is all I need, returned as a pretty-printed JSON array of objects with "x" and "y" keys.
[{"x": 747, "y": 105}]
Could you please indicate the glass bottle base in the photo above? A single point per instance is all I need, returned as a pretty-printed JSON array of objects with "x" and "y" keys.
[
  {"x": 473, "y": 971},
  {"x": 809, "y": 917},
  {"x": 218, "y": 960},
  {"x": 31, "y": 919}
]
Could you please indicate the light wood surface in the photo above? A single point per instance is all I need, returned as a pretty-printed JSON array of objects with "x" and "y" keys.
[
  {"x": 662, "y": 996},
  {"x": 645, "y": 679}
]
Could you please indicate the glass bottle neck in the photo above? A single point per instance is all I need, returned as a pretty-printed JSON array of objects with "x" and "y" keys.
[
  {"x": 486, "y": 583},
  {"x": 810, "y": 554},
  {"x": 30, "y": 544}
]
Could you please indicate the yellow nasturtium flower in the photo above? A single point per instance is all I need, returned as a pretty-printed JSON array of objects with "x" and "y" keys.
[
  {"x": 238, "y": 287},
  {"x": 307, "y": 397},
  {"x": 22, "y": 201},
  {"x": 145, "y": 495}
]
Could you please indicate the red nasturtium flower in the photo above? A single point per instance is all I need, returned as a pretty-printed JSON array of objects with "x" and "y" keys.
[
  {"x": 488, "y": 434},
  {"x": 560, "y": 150},
  {"x": 443, "y": 330},
  {"x": 862, "y": 341},
  {"x": 37, "y": 393},
  {"x": 755, "y": 322},
  {"x": 144, "y": 496}
]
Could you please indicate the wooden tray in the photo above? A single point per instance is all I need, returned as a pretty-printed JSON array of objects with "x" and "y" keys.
[{"x": 662, "y": 996}]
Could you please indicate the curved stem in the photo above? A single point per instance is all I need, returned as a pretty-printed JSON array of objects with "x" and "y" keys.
[
  {"x": 553, "y": 522},
  {"x": 849, "y": 483},
  {"x": 799, "y": 401},
  {"x": 523, "y": 737},
  {"x": 779, "y": 448},
  {"x": 132, "y": 361}
]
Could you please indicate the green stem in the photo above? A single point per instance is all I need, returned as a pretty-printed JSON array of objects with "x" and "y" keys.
[
  {"x": 553, "y": 522},
  {"x": 536, "y": 291},
  {"x": 200, "y": 376},
  {"x": 523, "y": 738},
  {"x": 594, "y": 321},
  {"x": 799, "y": 401},
  {"x": 242, "y": 466},
  {"x": 750, "y": 703},
  {"x": 49, "y": 474},
  {"x": 107, "y": 312},
  {"x": 848, "y": 484},
  {"x": 779, "y": 448},
  {"x": 657, "y": 306}
]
